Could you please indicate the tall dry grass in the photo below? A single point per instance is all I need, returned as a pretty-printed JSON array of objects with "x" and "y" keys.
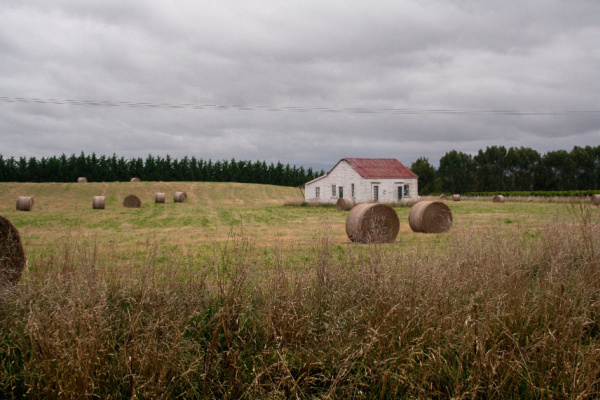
[{"x": 484, "y": 314}]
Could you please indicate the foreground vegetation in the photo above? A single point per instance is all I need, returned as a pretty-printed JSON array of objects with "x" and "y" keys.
[{"x": 507, "y": 305}]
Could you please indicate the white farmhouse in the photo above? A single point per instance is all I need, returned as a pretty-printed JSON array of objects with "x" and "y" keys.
[{"x": 384, "y": 180}]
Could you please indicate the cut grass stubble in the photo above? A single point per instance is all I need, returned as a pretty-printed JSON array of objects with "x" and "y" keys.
[{"x": 482, "y": 314}]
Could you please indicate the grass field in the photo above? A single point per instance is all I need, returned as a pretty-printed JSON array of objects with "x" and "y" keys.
[
  {"x": 212, "y": 210},
  {"x": 234, "y": 295}
]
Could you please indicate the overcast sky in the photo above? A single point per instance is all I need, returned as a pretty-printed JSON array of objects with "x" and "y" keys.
[{"x": 254, "y": 59}]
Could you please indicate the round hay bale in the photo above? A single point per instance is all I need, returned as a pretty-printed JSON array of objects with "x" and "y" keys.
[
  {"x": 372, "y": 223},
  {"x": 160, "y": 197},
  {"x": 99, "y": 203},
  {"x": 596, "y": 199},
  {"x": 136, "y": 180},
  {"x": 456, "y": 197},
  {"x": 132, "y": 201},
  {"x": 430, "y": 217},
  {"x": 345, "y": 204},
  {"x": 443, "y": 197},
  {"x": 24, "y": 203},
  {"x": 12, "y": 254},
  {"x": 180, "y": 197},
  {"x": 498, "y": 198},
  {"x": 82, "y": 179}
]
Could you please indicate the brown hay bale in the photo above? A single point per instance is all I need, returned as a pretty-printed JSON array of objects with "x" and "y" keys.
[
  {"x": 180, "y": 197},
  {"x": 99, "y": 203},
  {"x": 345, "y": 204},
  {"x": 443, "y": 197},
  {"x": 12, "y": 254},
  {"x": 24, "y": 203},
  {"x": 456, "y": 197},
  {"x": 430, "y": 217},
  {"x": 596, "y": 199},
  {"x": 136, "y": 180},
  {"x": 132, "y": 201},
  {"x": 498, "y": 198},
  {"x": 372, "y": 223},
  {"x": 82, "y": 179},
  {"x": 160, "y": 197}
]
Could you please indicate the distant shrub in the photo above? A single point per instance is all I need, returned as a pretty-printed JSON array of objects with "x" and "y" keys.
[{"x": 538, "y": 193}]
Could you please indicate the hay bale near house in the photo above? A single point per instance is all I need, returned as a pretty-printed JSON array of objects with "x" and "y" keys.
[
  {"x": 136, "y": 180},
  {"x": 498, "y": 198},
  {"x": 99, "y": 202},
  {"x": 82, "y": 179},
  {"x": 160, "y": 197},
  {"x": 132, "y": 201},
  {"x": 24, "y": 203},
  {"x": 430, "y": 217},
  {"x": 12, "y": 254},
  {"x": 180, "y": 197},
  {"x": 372, "y": 223},
  {"x": 456, "y": 197},
  {"x": 345, "y": 204},
  {"x": 443, "y": 197},
  {"x": 596, "y": 199}
]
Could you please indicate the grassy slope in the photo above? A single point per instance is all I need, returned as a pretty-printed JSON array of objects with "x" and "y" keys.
[{"x": 212, "y": 210}]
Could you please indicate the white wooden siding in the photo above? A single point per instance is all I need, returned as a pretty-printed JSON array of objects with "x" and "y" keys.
[{"x": 344, "y": 175}]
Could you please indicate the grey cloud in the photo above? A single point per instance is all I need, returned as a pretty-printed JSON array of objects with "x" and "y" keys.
[{"x": 464, "y": 55}]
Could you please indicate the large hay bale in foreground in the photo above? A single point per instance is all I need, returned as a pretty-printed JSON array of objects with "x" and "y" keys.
[
  {"x": 498, "y": 198},
  {"x": 372, "y": 223},
  {"x": 99, "y": 203},
  {"x": 443, "y": 197},
  {"x": 24, "y": 203},
  {"x": 12, "y": 254},
  {"x": 596, "y": 199},
  {"x": 132, "y": 201},
  {"x": 180, "y": 197},
  {"x": 430, "y": 217},
  {"x": 160, "y": 197},
  {"x": 136, "y": 180},
  {"x": 456, "y": 197},
  {"x": 82, "y": 179},
  {"x": 345, "y": 204}
]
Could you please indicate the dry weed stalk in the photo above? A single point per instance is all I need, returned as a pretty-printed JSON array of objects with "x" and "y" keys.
[{"x": 481, "y": 314}]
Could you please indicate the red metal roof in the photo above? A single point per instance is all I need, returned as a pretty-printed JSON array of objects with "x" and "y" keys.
[{"x": 380, "y": 168}]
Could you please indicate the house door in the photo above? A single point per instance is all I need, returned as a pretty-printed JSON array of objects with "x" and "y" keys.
[
  {"x": 341, "y": 191},
  {"x": 375, "y": 193},
  {"x": 400, "y": 191}
]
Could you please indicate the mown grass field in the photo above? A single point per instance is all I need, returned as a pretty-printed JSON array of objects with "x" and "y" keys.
[
  {"x": 234, "y": 295},
  {"x": 213, "y": 209}
]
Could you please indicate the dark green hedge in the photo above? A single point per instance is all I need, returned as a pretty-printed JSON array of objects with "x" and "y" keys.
[{"x": 539, "y": 193}]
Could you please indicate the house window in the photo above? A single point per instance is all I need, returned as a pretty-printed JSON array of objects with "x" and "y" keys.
[
  {"x": 400, "y": 190},
  {"x": 375, "y": 193},
  {"x": 352, "y": 189},
  {"x": 317, "y": 192},
  {"x": 333, "y": 191},
  {"x": 341, "y": 192},
  {"x": 406, "y": 191}
]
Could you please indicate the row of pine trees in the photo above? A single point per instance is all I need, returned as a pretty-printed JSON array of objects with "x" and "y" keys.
[
  {"x": 493, "y": 169},
  {"x": 153, "y": 168},
  {"x": 497, "y": 169}
]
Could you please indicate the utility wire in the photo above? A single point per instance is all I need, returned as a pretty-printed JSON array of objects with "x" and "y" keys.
[{"x": 404, "y": 111}]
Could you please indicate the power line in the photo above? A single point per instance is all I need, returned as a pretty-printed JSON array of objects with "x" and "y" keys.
[{"x": 344, "y": 110}]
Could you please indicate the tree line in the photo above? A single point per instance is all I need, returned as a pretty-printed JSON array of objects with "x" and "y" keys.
[
  {"x": 497, "y": 169},
  {"x": 153, "y": 168}
]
